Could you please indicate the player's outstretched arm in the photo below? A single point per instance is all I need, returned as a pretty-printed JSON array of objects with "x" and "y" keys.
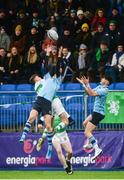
[{"x": 85, "y": 82}]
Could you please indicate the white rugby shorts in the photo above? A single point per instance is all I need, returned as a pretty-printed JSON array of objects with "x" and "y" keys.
[
  {"x": 61, "y": 138},
  {"x": 58, "y": 108}
]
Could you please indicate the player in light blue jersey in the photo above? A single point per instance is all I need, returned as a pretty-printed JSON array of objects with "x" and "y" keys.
[
  {"x": 46, "y": 90},
  {"x": 56, "y": 106},
  {"x": 90, "y": 123}
]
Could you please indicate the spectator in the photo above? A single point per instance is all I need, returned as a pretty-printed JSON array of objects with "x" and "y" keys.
[
  {"x": 80, "y": 20},
  {"x": 98, "y": 18},
  {"x": 84, "y": 36},
  {"x": 100, "y": 61},
  {"x": 3, "y": 65},
  {"x": 82, "y": 60},
  {"x": 115, "y": 16},
  {"x": 112, "y": 36},
  {"x": 19, "y": 40},
  {"x": 55, "y": 6},
  {"x": 67, "y": 62},
  {"x": 31, "y": 62},
  {"x": 52, "y": 55},
  {"x": 51, "y": 22},
  {"x": 4, "y": 21},
  {"x": 37, "y": 22},
  {"x": 23, "y": 20},
  {"x": 116, "y": 70},
  {"x": 66, "y": 39},
  {"x": 97, "y": 37},
  {"x": 34, "y": 39},
  {"x": 70, "y": 19},
  {"x": 4, "y": 39},
  {"x": 14, "y": 66}
]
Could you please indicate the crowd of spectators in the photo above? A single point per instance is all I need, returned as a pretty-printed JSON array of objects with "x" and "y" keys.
[{"x": 91, "y": 39}]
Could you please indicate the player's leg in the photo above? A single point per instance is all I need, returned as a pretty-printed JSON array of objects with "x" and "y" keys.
[
  {"x": 60, "y": 154},
  {"x": 88, "y": 145},
  {"x": 91, "y": 125},
  {"x": 58, "y": 109},
  {"x": 43, "y": 137},
  {"x": 48, "y": 124},
  {"x": 89, "y": 118},
  {"x": 43, "y": 132},
  {"x": 46, "y": 111},
  {"x": 68, "y": 149},
  {"x": 36, "y": 109},
  {"x": 88, "y": 133},
  {"x": 33, "y": 115}
]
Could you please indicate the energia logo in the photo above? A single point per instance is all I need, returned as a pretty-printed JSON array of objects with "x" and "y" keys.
[
  {"x": 29, "y": 160},
  {"x": 29, "y": 146},
  {"x": 87, "y": 160},
  {"x": 26, "y": 161}
]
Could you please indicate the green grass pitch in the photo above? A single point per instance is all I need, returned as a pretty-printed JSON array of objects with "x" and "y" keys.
[{"x": 62, "y": 175}]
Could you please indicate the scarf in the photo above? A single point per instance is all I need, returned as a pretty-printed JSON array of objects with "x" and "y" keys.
[
  {"x": 118, "y": 55},
  {"x": 81, "y": 62},
  {"x": 99, "y": 54}
]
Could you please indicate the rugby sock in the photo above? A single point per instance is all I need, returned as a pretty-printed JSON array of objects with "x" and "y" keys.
[
  {"x": 26, "y": 128},
  {"x": 49, "y": 138},
  {"x": 44, "y": 135},
  {"x": 60, "y": 126},
  {"x": 93, "y": 141}
]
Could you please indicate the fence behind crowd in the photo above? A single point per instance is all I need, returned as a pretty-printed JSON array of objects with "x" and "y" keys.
[{"x": 15, "y": 107}]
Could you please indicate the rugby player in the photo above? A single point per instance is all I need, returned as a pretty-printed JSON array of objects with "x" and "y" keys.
[{"x": 90, "y": 123}]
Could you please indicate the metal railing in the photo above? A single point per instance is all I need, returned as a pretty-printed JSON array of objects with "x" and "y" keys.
[{"x": 15, "y": 108}]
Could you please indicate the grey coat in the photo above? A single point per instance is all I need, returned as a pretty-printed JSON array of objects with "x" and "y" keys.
[{"x": 4, "y": 41}]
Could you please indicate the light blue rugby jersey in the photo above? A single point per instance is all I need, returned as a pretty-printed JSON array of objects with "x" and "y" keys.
[
  {"x": 47, "y": 87},
  {"x": 99, "y": 104}
]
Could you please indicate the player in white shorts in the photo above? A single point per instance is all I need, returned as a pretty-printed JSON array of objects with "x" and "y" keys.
[
  {"x": 61, "y": 141},
  {"x": 59, "y": 110}
]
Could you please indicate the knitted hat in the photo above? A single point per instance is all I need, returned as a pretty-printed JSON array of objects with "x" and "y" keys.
[
  {"x": 83, "y": 46},
  {"x": 113, "y": 22},
  {"x": 100, "y": 24},
  {"x": 79, "y": 12},
  {"x": 72, "y": 11},
  {"x": 85, "y": 25},
  {"x": 18, "y": 28}
]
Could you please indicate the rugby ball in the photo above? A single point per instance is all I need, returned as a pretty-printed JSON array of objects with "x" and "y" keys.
[{"x": 52, "y": 34}]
